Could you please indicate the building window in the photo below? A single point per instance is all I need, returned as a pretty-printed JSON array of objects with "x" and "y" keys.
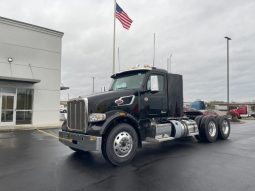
[
  {"x": 7, "y": 108},
  {"x": 24, "y": 106}
]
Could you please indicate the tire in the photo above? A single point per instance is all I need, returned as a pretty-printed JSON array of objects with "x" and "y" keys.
[
  {"x": 224, "y": 127},
  {"x": 209, "y": 129},
  {"x": 198, "y": 120},
  {"x": 120, "y": 144}
]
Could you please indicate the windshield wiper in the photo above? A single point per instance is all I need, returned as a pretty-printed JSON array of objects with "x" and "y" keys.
[{"x": 122, "y": 88}]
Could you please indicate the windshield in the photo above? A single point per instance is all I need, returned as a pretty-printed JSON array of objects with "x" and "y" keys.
[{"x": 130, "y": 81}]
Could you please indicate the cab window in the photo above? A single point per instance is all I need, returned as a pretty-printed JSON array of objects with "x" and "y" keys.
[{"x": 160, "y": 82}]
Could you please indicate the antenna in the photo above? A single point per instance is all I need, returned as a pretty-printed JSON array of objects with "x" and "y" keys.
[{"x": 154, "y": 42}]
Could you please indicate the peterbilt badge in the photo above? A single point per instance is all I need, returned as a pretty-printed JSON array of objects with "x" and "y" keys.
[{"x": 119, "y": 101}]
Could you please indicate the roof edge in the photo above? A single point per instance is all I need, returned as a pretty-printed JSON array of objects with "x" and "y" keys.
[
  {"x": 30, "y": 27},
  {"x": 14, "y": 79}
]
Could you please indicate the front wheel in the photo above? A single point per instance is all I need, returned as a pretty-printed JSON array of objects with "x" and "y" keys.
[{"x": 120, "y": 144}]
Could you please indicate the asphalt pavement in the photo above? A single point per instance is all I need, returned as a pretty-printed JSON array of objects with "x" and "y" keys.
[{"x": 35, "y": 160}]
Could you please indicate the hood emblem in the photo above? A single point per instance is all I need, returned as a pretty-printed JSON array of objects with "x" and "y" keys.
[{"x": 119, "y": 101}]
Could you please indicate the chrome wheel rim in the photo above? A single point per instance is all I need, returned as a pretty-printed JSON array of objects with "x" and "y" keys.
[
  {"x": 123, "y": 144},
  {"x": 212, "y": 129},
  {"x": 225, "y": 127}
]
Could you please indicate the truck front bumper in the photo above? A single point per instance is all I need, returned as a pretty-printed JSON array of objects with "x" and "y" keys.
[{"x": 80, "y": 141}]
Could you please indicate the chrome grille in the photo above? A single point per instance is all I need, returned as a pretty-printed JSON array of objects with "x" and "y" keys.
[{"x": 77, "y": 115}]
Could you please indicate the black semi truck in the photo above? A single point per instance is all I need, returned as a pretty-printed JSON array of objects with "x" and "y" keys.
[{"x": 143, "y": 104}]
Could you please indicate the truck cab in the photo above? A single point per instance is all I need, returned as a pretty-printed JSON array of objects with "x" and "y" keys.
[
  {"x": 142, "y": 104},
  {"x": 242, "y": 111}
]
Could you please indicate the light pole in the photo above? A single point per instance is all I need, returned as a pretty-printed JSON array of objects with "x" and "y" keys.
[
  {"x": 228, "y": 39},
  {"x": 93, "y": 78},
  {"x": 169, "y": 62}
]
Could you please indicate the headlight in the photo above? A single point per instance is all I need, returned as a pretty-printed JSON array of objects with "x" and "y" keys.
[{"x": 95, "y": 117}]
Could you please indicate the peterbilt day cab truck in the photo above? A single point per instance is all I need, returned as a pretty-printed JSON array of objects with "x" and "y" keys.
[
  {"x": 242, "y": 111},
  {"x": 143, "y": 104}
]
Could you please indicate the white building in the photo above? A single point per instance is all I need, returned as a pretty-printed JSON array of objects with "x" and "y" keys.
[{"x": 30, "y": 74}]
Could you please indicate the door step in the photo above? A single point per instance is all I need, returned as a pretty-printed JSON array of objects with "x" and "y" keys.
[{"x": 159, "y": 139}]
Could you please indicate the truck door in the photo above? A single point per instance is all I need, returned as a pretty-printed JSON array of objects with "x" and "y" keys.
[{"x": 155, "y": 103}]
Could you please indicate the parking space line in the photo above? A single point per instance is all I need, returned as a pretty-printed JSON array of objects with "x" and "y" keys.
[
  {"x": 52, "y": 135},
  {"x": 44, "y": 132}
]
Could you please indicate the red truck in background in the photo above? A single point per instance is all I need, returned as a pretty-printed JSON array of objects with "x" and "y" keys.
[
  {"x": 242, "y": 111},
  {"x": 198, "y": 107}
]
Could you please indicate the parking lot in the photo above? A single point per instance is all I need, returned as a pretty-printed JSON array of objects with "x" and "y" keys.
[{"x": 35, "y": 160}]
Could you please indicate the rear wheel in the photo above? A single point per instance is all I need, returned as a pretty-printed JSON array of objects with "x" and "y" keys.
[
  {"x": 120, "y": 144},
  {"x": 224, "y": 127},
  {"x": 208, "y": 129},
  {"x": 198, "y": 120}
]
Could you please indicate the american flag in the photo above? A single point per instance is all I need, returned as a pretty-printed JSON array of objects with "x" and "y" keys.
[{"x": 123, "y": 17}]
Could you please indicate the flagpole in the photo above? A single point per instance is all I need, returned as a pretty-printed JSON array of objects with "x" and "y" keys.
[
  {"x": 114, "y": 29},
  {"x": 119, "y": 58}
]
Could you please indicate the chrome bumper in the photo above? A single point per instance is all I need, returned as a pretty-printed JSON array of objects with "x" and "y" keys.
[{"x": 80, "y": 141}]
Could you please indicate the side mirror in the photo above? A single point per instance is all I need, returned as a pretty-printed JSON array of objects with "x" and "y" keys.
[{"x": 154, "y": 84}]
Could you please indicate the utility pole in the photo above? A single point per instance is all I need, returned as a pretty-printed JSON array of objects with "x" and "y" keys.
[
  {"x": 93, "y": 78},
  {"x": 228, "y": 39}
]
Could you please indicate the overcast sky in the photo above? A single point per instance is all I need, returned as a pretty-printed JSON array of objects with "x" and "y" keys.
[{"x": 193, "y": 31}]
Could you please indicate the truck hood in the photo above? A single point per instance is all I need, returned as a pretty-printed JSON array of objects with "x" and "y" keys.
[{"x": 106, "y": 101}]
